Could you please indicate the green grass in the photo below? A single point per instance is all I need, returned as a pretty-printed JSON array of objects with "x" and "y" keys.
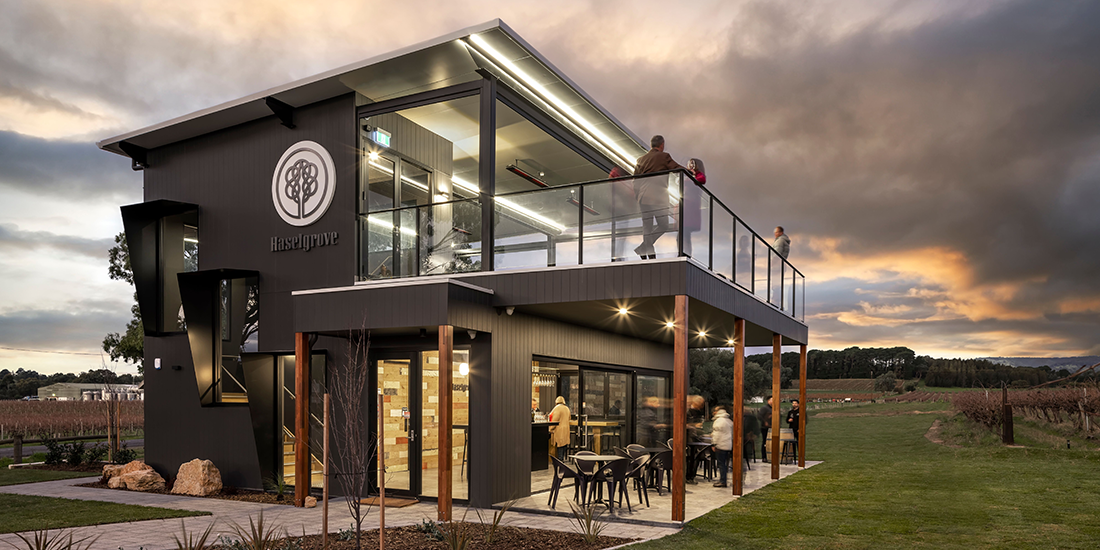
[
  {"x": 25, "y": 475},
  {"x": 25, "y": 513},
  {"x": 883, "y": 485}
]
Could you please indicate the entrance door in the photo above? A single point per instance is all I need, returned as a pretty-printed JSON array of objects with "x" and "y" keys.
[{"x": 398, "y": 378}]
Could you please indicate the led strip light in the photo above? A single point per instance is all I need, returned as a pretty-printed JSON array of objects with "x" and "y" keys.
[{"x": 554, "y": 104}]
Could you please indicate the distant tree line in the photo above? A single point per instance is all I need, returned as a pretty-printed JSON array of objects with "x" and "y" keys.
[
  {"x": 978, "y": 373},
  {"x": 21, "y": 383}
]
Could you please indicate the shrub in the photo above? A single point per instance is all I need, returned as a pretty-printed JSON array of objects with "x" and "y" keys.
[
  {"x": 95, "y": 453},
  {"x": 55, "y": 451},
  {"x": 125, "y": 455},
  {"x": 74, "y": 453}
]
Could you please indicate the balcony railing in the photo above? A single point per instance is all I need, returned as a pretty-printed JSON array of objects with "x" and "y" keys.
[{"x": 583, "y": 224}]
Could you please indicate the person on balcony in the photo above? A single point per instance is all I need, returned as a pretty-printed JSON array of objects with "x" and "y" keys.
[
  {"x": 652, "y": 195},
  {"x": 782, "y": 243},
  {"x": 693, "y": 202}
]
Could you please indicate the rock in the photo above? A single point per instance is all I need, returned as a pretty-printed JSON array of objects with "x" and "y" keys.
[
  {"x": 110, "y": 471},
  {"x": 198, "y": 478},
  {"x": 311, "y": 502},
  {"x": 134, "y": 466},
  {"x": 142, "y": 480},
  {"x": 115, "y": 482}
]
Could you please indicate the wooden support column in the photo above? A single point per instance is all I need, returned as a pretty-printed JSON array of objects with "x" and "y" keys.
[
  {"x": 680, "y": 376},
  {"x": 802, "y": 405},
  {"x": 446, "y": 391},
  {"x": 738, "y": 405},
  {"x": 777, "y": 400},
  {"x": 302, "y": 478}
]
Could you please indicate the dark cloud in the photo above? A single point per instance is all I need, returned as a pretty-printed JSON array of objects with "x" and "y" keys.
[
  {"x": 66, "y": 169},
  {"x": 11, "y": 237},
  {"x": 77, "y": 327}
]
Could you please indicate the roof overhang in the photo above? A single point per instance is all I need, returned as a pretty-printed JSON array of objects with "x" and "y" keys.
[{"x": 442, "y": 61}]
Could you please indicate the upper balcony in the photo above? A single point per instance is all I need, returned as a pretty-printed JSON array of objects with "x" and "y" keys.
[{"x": 589, "y": 223}]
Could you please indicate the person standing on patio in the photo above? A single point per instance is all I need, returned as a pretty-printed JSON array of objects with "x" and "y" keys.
[
  {"x": 792, "y": 418},
  {"x": 721, "y": 436},
  {"x": 652, "y": 195},
  {"x": 560, "y": 414},
  {"x": 764, "y": 414}
]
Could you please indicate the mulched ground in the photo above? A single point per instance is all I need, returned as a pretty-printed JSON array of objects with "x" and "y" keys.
[
  {"x": 227, "y": 493},
  {"x": 506, "y": 538}
]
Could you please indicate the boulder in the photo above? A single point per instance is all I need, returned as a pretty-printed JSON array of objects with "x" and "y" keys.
[
  {"x": 311, "y": 502},
  {"x": 112, "y": 470},
  {"x": 141, "y": 480},
  {"x": 115, "y": 482},
  {"x": 198, "y": 478}
]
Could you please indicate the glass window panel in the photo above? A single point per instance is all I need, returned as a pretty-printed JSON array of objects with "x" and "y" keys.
[
  {"x": 743, "y": 258},
  {"x": 696, "y": 222},
  {"x": 380, "y": 184},
  {"x": 537, "y": 229},
  {"x": 450, "y": 238},
  {"x": 654, "y": 413},
  {"x": 415, "y": 185},
  {"x": 613, "y": 224},
  {"x": 723, "y": 242},
  {"x": 435, "y": 148},
  {"x": 406, "y": 231},
  {"x": 377, "y": 256},
  {"x": 760, "y": 271},
  {"x": 776, "y": 279},
  {"x": 595, "y": 398},
  {"x": 527, "y": 157}
]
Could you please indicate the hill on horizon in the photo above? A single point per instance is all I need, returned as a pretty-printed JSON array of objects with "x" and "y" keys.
[{"x": 1055, "y": 363}]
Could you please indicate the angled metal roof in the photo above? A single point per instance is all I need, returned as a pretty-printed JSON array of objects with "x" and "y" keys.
[{"x": 435, "y": 63}]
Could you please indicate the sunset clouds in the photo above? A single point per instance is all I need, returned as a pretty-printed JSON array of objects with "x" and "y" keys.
[{"x": 937, "y": 164}]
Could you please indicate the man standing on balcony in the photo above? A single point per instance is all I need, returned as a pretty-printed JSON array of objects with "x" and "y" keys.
[
  {"x": 652, "y": 194},
  {"x": 782, "y": 243}
]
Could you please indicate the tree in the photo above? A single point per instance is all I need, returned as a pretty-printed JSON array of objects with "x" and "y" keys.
[
  {"x": 130, "y": 345},
  {"x": 886, "y": 382},
  {"x": 348, "y": 384}
]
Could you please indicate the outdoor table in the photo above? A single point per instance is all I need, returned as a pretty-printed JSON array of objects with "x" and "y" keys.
[{"x": 602, "y": 459}]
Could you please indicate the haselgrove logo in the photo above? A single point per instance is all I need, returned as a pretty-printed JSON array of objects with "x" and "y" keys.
[{"x": 304, "y": 183}]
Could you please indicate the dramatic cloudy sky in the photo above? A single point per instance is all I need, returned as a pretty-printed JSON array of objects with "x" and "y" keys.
[{"x": 936, "y": 163}]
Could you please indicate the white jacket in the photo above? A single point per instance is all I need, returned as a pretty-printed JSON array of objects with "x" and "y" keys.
[{"x": 721, "y": 434}]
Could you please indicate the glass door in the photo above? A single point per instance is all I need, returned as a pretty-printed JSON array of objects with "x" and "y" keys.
[{"x": 400, "y": 422}]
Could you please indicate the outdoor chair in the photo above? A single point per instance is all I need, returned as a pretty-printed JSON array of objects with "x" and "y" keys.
[
  {"x": 638, "y": 469},
  {"x": 660, "y": 464},
  {"x": 561, "y": 473},
  {"x": 616, "y": 474},
  {"x": 705, "y": 457},
  {"x": 749, "y": 449},
  {"x": 669, "y": 443},
  {"x": 587, "y": 469},
  {"x": 636, "y": 450},
  {"x": 619, "y": 451}
]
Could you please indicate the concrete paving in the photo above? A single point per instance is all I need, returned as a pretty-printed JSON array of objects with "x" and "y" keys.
[
  {"x": 157, "y": 534},
  {"x": 699, "y": 498}
]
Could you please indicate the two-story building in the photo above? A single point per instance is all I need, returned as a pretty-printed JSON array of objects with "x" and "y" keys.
[{"x": 451, "y": 202}]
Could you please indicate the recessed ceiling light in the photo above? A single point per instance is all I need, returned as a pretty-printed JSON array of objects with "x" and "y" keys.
[
  {"x": 702, "y": 334},
  {"x": 670, "y": 324},
  {"x": 623, "y": 311},
  {"x": 730, "y": 342}
]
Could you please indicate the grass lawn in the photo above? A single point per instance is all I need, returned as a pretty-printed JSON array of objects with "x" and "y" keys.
[
  {"x": 24, "y": 513},
  {"x": 24, "y": 475},
  {"x": 884, "y": 485}
]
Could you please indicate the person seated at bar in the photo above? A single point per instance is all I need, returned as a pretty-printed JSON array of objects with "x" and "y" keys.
[
  {"x": 560, "y": 414},
  {"x": 616, "y": 409}
]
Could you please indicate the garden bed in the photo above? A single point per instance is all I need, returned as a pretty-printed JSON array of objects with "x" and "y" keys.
[
  {"x": 506, "y": 538},
  {"x": 227, "y": 493},
  {"x": 91, "y": 468}
]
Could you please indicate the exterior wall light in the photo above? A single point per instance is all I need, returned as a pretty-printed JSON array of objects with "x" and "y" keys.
[
  {"x": 464, "y": 369},
  {"x": 472, "y": 333}
]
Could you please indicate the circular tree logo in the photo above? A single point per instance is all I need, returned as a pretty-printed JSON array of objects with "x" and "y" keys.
[{"x": 304, "y": 183}]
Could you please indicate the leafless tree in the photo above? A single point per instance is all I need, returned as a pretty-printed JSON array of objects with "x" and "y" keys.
[{"x": 348, "y": 384}]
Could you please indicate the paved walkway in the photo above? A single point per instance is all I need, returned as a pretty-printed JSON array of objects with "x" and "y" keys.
[{"x": 157, "y": 534}]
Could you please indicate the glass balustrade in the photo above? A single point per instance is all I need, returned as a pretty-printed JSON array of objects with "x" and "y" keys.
[{"x": 664, "y": 215}]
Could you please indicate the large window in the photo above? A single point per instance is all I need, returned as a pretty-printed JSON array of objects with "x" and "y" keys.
[
  {"x": 418, "y": 194},
  {"x": 528, "y": 158},
  {"x": 239, "y": 333}
]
